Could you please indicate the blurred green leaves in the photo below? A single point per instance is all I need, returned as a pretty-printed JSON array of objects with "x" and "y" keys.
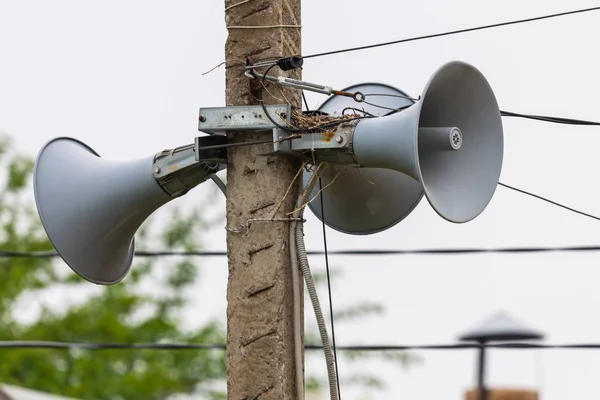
[{"x": 127, "y": 312}]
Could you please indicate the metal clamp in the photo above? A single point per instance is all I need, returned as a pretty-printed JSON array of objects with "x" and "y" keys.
[
  {"x": 333, "y": 146},
  {"x": 178, "y": 170},
  {"x": 220, "y": 120}
]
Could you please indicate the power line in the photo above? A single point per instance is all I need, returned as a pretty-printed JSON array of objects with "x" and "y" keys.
[
  {"x": 36, "y": 344},
  {"x": 555, "y": 120},
  {"x": 477, "y": 28},
  {"x": 549, "y": 201},
  {"x": 325, "y": 249},
  {"x": 365, "y": 252},
  {"x": 150, "y": 254},
  {"x": 49, "y": 345}
]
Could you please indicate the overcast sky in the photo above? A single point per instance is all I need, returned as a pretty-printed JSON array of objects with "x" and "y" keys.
[{"x": 126, "y": 78}]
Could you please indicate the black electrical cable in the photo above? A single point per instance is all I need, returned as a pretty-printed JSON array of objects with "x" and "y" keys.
[
  {"x": 544, "y": 118},
  {"x": 148, "y": 253},
  {"x": 50, "y": 345},
  {"x": 382, "y": 252},
  {"x": 460, "y": 346},
  {"x": 305, "y": 101},
  {"x": 335, "y": 358},
  {"x": 397, "y": 110},
  {"x": 37, "y": 344},
  {"x": 477, "y": 28},
  {"x": 549, "y": 201},
  {"x": 555, "y": 120}
]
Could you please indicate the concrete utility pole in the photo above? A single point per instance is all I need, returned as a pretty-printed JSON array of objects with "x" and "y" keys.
[{"x": 260, "y": 345}]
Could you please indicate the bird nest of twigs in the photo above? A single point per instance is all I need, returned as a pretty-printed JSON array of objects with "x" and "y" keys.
[{"x": 314, "y": 121}]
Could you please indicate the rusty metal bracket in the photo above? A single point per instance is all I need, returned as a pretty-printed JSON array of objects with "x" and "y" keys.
[{"x": 334, "y": 146}]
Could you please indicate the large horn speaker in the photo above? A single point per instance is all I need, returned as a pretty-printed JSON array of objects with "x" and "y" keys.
[
  {"x": 365, "y": 200},
  {"x": 449, "y": 143},
  {"x": 91, "y": 208}
]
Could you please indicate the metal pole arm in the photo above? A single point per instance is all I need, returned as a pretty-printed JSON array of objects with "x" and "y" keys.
[{"x": 183, "y": 168}]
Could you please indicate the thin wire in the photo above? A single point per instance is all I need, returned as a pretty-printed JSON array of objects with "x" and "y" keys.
[
  {"x": 356, "y": 110},
  {"x": 382, "y": 107},
  {"x": 220, "y": 184},
  {"x": 401, "y": 96},
  {"x": 305, "y": 101},
  {"x": 477, "y": 28},
  {"x": 555, "y": 120},
  {"x": 49, "y": 345},
  {"x": 236, "y": 5},
  {"x": 366, "y": 252},
  {"x": 460, "y": 346},
  {"x": 148, "y": 253},
  {"x": 240, "y": 144},
  {"x": 37, "y": 344},
  {"x": 549, "y": 201},
  {"x": 335, "y": 358}
]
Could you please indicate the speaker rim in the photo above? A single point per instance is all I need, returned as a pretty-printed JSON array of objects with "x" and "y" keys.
[
  {"x": 316, "y": 210},
  {"x": 430, "y": 81},
  {"x": 43, "y": 219}
]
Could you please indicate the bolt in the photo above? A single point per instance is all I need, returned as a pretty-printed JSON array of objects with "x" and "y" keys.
[
  {"x": 339, "y": 139},
  {"x": 456, "y": 139},
  {"x": 202, "y": 118},
  {"x": 283, "y": 116},
  {"x": 156, "y": 169}
]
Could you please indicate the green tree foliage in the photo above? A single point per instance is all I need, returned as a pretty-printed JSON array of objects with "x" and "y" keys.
[{"x": 120, "y": 313}]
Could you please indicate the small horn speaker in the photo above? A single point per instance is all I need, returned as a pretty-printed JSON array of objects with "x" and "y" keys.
[
  {"x": 362, "y": 201},
  {"x": 91, "y": 208},
  {"x": 450, "y": 142}
]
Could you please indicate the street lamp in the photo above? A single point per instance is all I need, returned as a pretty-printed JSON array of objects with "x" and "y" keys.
[{"x": 500, "y": 327}]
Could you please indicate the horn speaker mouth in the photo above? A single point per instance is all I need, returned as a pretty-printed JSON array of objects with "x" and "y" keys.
[
  {"x": 460, "y": 184},
  {"x": 363, "y": 201},
  {"x": 47, "y": 180}
]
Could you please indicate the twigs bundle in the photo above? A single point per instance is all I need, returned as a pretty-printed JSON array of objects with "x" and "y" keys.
[{"x": 310, "y": 122}]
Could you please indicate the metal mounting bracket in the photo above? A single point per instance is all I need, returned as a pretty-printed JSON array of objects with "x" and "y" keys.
[
  {"x": 281, "y": 146},
  {"x": 340, "y": 138},
  {"x": 221, "y": 120}
]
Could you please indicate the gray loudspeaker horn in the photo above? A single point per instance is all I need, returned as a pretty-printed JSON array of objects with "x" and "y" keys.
[
  {"x": 91, "y": 208},
  {"x": 450, "y": 141},
  {"x": 365, "y": 200}
]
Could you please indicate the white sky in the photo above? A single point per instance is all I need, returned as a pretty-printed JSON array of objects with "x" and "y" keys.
[{"x": 125, "y": 77}]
